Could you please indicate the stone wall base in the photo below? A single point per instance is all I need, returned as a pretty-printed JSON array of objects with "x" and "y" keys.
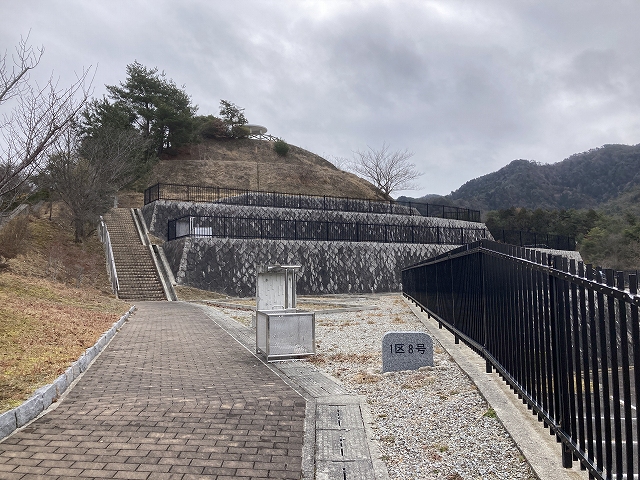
[{"x": 228, "y": 266}]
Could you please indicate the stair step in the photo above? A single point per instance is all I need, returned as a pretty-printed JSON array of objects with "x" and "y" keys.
[{"x": 138, "y": 277}]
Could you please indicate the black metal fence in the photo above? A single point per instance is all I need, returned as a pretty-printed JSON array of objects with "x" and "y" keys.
[
  {"x": 564, "y": 335},
  {"x": 234, "y": 196},
  {"x": 534, "y": 240},
  {"x": 279, "y": 229}
]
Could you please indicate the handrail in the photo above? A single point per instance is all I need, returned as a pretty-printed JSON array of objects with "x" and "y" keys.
[
  {"x": 259, "y": 198},
  {"x": 103, "y": 235},
  {"x": 534, "y": 239},
  {"x": 318, "y": 230},
  {"x": 564, "y": 335}
]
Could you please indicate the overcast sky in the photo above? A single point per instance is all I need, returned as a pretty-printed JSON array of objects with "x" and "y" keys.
[{"x": 467, "y": 86}]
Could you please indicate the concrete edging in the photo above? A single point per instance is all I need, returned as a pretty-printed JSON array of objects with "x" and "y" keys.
[{"x": 42, "y": 398}]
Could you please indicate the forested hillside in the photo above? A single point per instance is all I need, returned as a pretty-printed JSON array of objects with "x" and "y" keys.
[
  {"x": 584, "y": 180},
  {"x": 592, "y": 196}
]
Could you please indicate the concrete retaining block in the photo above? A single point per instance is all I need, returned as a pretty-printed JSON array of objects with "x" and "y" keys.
[
  {"x": 61, "y": 384},
  {"x": 110, "y": 333},
  {"x": 28, "y": 410},
  {"x": 70, "y": 375},
  {"x": 83, "y": 362},
  {"x": 102, "y": 342},
  {"x": 48, "y": 394},
  {"x": 7, "y": 423},
  {"x": 91, "y": 353}
]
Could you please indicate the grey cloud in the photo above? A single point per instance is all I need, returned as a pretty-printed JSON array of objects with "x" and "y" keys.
[{"x": 467, "y": 86}]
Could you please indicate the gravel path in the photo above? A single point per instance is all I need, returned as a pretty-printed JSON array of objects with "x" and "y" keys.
[{"x": 431, "y": 423}]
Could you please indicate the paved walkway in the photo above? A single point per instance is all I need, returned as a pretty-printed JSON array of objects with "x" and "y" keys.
[{"x": 173, "y": 396}]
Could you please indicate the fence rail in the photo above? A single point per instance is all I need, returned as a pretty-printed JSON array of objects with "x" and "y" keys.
[
  {"x": 234, "y": 196},
  {"x": 279, "y": 229},
  {"x": 535, "y": 240},
  {"x": 563, "y": 334}
]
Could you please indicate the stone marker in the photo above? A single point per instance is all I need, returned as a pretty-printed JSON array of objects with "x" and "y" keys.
[{"x": 406, "y": 351}]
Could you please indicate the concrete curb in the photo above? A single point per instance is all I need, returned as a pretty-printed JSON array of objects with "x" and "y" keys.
[{"x": 42, "y": 398}]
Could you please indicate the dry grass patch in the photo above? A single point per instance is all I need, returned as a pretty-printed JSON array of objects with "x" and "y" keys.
[
  {"x": 366, "y": 377},
  {"x": 55, "y": 302},
  {"x": 353, "y": 357},
  {"x": 45, "y": 327},
  {"x": 358, "y": 358},
  {"x": 417, "y": 380},
  {"x": 252, "y": 164},
  {"x": 194, "y": 294},
  {"x": 51, "y": 253}
]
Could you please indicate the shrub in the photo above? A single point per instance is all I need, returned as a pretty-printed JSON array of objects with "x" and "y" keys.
[
  {"x": 213, "y": 127},
  {"x": 281, "y": 148},
  {"x": 239, "y": 131},
  {"x": 12, "y": 237}
]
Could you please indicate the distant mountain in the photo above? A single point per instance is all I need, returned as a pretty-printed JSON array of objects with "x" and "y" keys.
[
  {"x": 609, "y": 175},
  {"x": 430, "y": 198}
]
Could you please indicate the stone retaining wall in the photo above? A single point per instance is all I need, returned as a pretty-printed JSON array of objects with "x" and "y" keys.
[{"x": 228, "y": 265}]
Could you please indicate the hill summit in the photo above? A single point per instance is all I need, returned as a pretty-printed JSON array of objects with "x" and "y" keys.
[{"x": 254, "y": 165}]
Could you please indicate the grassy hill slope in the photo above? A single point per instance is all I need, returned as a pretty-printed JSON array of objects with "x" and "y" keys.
[{"x": 252, "y": 164}]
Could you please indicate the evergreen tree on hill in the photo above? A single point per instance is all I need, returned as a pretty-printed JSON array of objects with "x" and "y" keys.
[{"x": 152, "y": 104}]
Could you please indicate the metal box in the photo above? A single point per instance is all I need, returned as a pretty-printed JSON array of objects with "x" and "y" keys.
[
  {"x": 285, "y": 334},
  {"x": 276, "y": 287}
]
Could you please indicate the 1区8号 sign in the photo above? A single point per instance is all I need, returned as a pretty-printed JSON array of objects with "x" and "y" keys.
[{"x": 406, "y": 351}]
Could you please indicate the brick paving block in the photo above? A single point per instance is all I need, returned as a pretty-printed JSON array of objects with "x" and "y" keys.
[
  {"x": 186, "y": 469},
  {"x": 211, "y": 462},
  {"x": 225, "y": 456},
  {"x": 171, "y": 396},
  {"x": 120, "y": 467},
  {"x": 22, "y": 458},
  {"x": 220, "y": 472},
  {"x": 64, "y": 472},
  {"x": 13, "y": 476},
  {"x": 153, "y": 468},
  {"x": 28, "y": 470},
  {"x": 174, "y": 461},
  {"x": 7, "y": 467},
  {"x": 132, "y": 475}
]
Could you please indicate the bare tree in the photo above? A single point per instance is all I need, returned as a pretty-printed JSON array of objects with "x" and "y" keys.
[
  {"x": 387, "y": 170},
  {"x": 87, "y": 171},
  {"x": 341, "y": 163},
  {"x": 38, "y": 117}
]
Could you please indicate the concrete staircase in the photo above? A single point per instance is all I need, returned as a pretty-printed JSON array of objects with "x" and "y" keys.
[{"x": 137, "y": 272}]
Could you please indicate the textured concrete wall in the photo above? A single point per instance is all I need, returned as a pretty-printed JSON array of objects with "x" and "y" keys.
[{"x": 228, "y": 265}]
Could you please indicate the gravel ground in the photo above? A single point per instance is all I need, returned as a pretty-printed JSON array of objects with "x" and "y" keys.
[{"x": 431, "y": 423}]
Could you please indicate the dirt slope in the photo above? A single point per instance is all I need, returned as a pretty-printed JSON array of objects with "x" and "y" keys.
[{"x": 252, "y": 164}]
